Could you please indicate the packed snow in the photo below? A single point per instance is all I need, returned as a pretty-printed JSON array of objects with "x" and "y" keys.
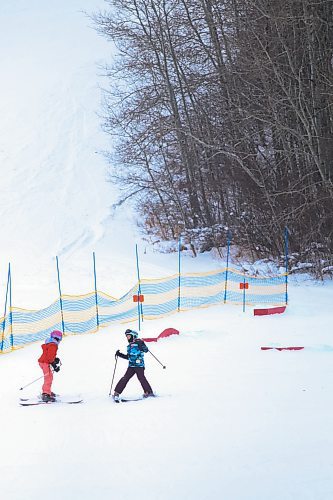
[{"x": 230, "y": 420}]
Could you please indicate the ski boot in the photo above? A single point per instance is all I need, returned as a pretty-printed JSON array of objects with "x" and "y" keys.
[
  {"x": 116, "y": 397},
  {"x": 48, "y": 398},
  {"x": 148, "y": 395}
]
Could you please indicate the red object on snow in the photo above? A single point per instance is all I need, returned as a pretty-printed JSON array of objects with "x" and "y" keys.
[
  {"x": 138, "y": 298},
  {"x": 283, "y": 348},
  {"x": 166, "y": 333},
  {"x": 244, "y": 285},
  {"x": 271, "y": 310}
]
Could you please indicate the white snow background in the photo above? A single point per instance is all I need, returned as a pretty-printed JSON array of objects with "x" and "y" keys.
[{"x": 231, "y": 421}]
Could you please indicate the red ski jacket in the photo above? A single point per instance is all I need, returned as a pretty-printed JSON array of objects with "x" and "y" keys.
[{"x": 49, "y": 353}]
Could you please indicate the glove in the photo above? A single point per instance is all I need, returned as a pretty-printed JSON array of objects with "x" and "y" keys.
[
  {"x": 121, "y": 355},
  {"x": 55, "y": 365}
]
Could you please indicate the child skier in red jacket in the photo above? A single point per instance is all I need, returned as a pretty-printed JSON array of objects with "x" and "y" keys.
[{"x": 48, "y": 359}]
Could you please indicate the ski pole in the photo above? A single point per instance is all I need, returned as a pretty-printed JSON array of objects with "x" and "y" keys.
[
  {"x": 114, "y": 371},
  {"x": 157, "y": 359},
  {"x": 21, "y": 388}
]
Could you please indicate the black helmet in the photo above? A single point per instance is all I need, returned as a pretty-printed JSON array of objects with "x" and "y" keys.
[{"x": 132, "y": 332}]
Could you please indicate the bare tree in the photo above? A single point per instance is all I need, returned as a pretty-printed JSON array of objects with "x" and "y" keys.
[{"x": 223, "y": 114}]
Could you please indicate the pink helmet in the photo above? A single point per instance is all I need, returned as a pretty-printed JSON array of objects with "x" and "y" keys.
[{"x": 56, "y": 334}]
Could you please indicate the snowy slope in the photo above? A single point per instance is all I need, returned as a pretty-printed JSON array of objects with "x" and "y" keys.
[
  {"x": 231, "y": 421},
  {"x": 54, "y": 196},
  {"x": 53, "y": 180}
]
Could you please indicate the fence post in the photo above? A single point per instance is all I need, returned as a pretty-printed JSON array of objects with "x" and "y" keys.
[
  {"x": 227, "y": 269},
  {"x": 286, "y": 246},
  {"x": 5, "y": 310},
  {"x": 96, "y": 298},
  {"x": 179, "y": 271},
  {"x": 244, "y": 293},
  {"x": 139, "y": 288},
  {"x": 60, "y": 298},
  {"x": 11, "y": 308}
]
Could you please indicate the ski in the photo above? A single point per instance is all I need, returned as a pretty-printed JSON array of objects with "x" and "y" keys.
[
  {"x": 36, "y": 402},
  {"x": 59, "y": 399},
  {"x": 130, "y": 400},
  {"x": 127, "y": 400}
]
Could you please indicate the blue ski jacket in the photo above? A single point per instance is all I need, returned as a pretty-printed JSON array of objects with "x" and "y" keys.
[{"x": 135, "y": 353}]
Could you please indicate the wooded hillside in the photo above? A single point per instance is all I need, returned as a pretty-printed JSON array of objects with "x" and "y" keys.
[{"x": 222, "y": 111}]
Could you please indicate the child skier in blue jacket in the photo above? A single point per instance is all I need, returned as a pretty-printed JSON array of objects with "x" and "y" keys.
[{"x": 136, "y": 366}]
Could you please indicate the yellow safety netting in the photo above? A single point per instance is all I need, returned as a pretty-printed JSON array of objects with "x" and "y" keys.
[{"x": 77, "y": 314}]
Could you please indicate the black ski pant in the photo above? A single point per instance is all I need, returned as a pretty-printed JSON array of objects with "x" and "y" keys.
[{"x": 130, "y": 372}]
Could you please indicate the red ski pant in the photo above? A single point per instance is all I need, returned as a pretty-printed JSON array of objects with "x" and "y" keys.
[
  {"x": 140, "y": 373},
  {"x": 48, "y": 377}
]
